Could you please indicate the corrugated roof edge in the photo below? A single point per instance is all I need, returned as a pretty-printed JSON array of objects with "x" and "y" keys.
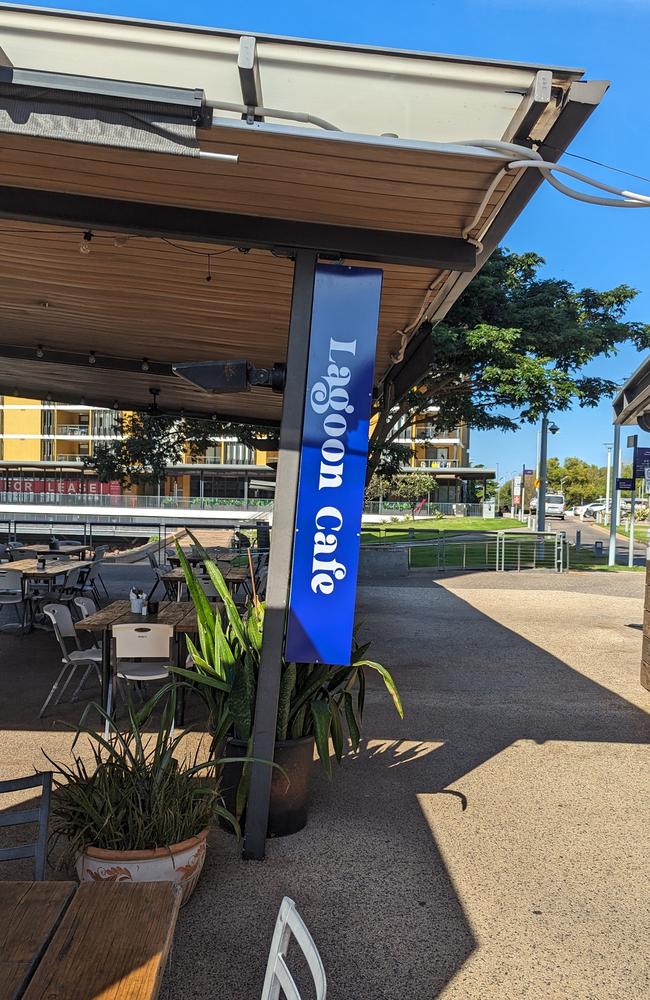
[{"x": 567, "y": 71}]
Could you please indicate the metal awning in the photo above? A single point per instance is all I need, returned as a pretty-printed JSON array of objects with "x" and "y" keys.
[
  {"x": 352, "y": 151},
  {"x": 633, "y": 401}
]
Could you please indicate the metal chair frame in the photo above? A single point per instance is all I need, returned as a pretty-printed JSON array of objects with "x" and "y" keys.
[
  {"x": 278, "y": 977},
  {"x": 40, "y": 815},
  {"x": 16, "y": 587},
  {"x": 90, "y": 658}
]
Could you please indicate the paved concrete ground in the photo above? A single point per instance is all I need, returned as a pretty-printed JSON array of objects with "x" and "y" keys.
[{"x": 492, "y": 845}]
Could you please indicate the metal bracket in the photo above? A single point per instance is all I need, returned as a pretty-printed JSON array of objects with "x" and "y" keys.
[{"x": 249, "y": 77}]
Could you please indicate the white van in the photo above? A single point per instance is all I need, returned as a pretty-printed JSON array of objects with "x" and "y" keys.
[{"x": 554, "y": 506}]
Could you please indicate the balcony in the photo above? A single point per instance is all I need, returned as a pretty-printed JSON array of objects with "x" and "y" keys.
[
  {"x": 434, "y": 463},
  {"x": 65, "y": 457},
  {"x": 72, "y": 430}
]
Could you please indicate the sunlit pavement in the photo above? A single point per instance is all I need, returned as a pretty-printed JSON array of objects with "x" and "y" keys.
[{"x": 491, "y": 845}]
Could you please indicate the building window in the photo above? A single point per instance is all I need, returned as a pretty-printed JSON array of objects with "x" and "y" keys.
[{"x": 238, "y": 454}]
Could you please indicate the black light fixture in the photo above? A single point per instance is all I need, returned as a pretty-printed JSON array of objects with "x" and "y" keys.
[
  {"x": 231, "y": 376},
  {"x": 553, "y": 428}
]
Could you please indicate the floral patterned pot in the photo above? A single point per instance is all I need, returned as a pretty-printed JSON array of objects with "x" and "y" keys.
[{"x": 181, "y": 863}]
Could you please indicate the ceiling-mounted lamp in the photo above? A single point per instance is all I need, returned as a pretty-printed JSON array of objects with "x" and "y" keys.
[
  {"x": 86, "y": 240},
  {"x": 231, "y": 376}
]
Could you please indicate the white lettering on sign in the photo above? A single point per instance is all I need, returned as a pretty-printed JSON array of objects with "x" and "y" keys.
[{"x": 329, "y": 398}]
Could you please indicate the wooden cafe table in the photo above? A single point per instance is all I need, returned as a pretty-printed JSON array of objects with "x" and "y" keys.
[
  {"x": 181, "y": 615},
  {"x": 63, "y": 552},
  {"x": 233, "y": 575},
  {"x": 61, "y": 941},
  {"x": 30, "y": 570}
]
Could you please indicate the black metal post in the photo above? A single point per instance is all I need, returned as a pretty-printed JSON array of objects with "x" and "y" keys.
[{"x": 284, "y": 515}]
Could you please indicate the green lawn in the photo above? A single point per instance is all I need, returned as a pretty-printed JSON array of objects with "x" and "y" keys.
[
  {"x": 586, "y": 559},
  {"x": 434, "y": 528},
  {"x": 641, "y": 532}
]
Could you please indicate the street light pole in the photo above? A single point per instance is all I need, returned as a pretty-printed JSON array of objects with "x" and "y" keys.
[
  {"x": 613, "y": 517},
  {"x": 608, "y": 481},
  {"x": 541, "y": 489}
]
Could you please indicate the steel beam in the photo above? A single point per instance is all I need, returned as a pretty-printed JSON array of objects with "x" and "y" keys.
[
  {"x": 199, "y": 226},
  {"x": 284, "y": 516}
]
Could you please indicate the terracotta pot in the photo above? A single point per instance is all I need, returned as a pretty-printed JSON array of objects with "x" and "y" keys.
[
  {"x": 289, "y": 791},
  {"x": 181, "y": 863}
]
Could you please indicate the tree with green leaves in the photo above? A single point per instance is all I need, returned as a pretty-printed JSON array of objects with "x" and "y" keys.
[
  {"x": 514, "y": 341},
  {"x": 412, "y": 488},
  {"x": 148, "y": 445},
  {"x": 581, "y": 482}
]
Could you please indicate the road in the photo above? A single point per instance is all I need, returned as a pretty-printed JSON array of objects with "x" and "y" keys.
[{"x": 591, "y": 532}]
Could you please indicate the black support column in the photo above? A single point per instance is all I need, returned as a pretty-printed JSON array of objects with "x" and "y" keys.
[{"x": 284, "y": 515}]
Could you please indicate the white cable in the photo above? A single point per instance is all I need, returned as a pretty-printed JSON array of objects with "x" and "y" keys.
[
  {"x": 528, "y": 158},
  {"x": 626, "y": 199}
]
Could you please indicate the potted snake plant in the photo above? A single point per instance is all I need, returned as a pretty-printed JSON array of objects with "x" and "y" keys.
[
  {"x": 317, "y": 702},
  {"x": 133, "y": 810}
]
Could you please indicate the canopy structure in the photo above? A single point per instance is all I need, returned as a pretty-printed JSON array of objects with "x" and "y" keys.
[
  {"x": 353, "y": 160},
  {"x": 166, "y": 193},
  {"x": 632, "y": 404}
]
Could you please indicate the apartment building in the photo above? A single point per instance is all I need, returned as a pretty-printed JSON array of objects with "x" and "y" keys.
[
  {"x": 444, "y": 454},
  {"x": 43, "y": 445},
  {"x": 40, "y": 431}
]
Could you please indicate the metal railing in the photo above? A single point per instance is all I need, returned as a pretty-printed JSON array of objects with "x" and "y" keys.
[
  {"x": 431, "y": 509},
  {"x": 498, "y": 551},
  {"x": 136, "y": 502},
  {"x": 89, "y": 530},
  {"x": 72, "y": 430}
]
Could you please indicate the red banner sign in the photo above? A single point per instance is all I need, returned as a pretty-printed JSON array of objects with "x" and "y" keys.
[{"x": 63, "y": 487}]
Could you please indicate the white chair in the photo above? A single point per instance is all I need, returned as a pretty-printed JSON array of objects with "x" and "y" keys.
[
  {"x": 11, "y": 593},
  {"x": 141, "y": 653},
  {"x": 278, "y": 977},
  {"x": 86, "y": 605},
  {"x": 73, "y": 658}
]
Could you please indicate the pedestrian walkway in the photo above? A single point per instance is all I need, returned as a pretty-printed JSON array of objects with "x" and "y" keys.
[{"x": 490, "y": 846}]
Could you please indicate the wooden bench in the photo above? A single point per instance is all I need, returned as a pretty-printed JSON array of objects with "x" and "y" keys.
[{"x": 98, "y": 941}]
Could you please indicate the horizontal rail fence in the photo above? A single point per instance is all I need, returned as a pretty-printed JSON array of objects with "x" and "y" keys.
[
  {"x": 125, "y": 500},
  {"x": 399, "y": 507},
  {"x": 498, "y": 551},
  {"x": 87, "y": 530}
]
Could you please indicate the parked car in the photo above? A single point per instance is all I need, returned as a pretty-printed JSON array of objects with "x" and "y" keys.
[
  {"x": 554, "y": 506},
  {"x": 591, "y": 509}
]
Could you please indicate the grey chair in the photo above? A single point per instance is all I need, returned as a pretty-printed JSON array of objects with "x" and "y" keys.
[
  {"x": 40, "y": 815},
  {"x": 72, "y": 659},
  {"x": 12, "y": 593},
  {"x": 95, "y": 574}
]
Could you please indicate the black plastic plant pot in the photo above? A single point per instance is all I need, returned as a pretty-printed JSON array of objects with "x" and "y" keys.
[{"x": 289, "y": 790}]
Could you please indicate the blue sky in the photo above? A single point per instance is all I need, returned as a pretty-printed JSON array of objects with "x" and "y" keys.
[{"x": 590, "y": 246}]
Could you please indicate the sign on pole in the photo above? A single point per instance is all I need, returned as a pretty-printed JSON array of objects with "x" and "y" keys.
[
  {"x": 624, "y": 484},
  {"x": 641, "y": 462},
  {"x": 647, "y": 480},
  {"x": 333, "y": 461}
]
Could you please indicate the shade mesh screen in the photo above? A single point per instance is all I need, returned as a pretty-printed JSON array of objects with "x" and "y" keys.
[{"x": 102, "y": 121}]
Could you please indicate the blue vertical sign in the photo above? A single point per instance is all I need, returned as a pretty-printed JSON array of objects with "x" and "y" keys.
[{"x": 333, "y": 461}]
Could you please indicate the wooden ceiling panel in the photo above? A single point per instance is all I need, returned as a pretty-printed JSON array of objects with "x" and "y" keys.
[
  {"x": 149, "y": 298},
  {"x": 289, "y": 177}
]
